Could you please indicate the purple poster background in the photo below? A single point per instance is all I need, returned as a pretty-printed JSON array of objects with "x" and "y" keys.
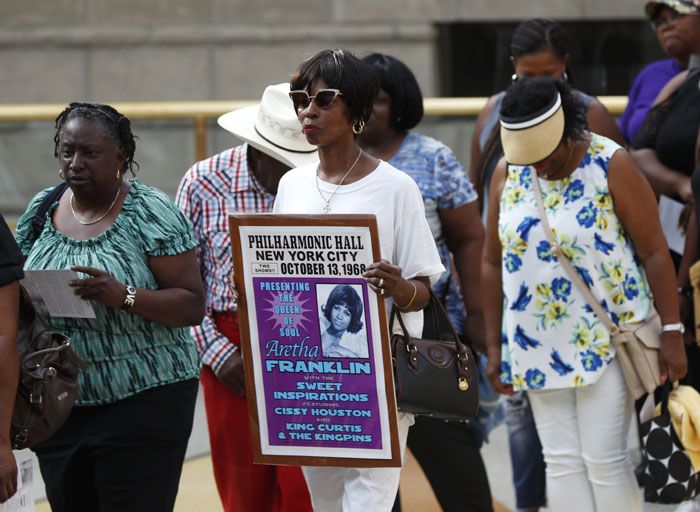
[{"x": 313, "y": 400}]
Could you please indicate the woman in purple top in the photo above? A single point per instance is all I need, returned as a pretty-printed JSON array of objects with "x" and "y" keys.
[{"x": 653, "y": 77}]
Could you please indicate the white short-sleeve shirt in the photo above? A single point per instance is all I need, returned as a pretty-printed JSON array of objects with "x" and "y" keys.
[{"x": 404, "y": 235}]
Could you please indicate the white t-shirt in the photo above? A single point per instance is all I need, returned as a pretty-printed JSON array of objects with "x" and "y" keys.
[{"x": 404, "y": 235}]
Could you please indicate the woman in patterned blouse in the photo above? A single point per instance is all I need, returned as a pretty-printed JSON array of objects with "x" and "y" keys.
[
  {"x": 604, "y": 219},
  {"x": 453, "y": 216},
  {"x": 124, "y": 442}
]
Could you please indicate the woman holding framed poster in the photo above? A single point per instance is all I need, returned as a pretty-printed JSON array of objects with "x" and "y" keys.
[{"x": 333, "y": 94}]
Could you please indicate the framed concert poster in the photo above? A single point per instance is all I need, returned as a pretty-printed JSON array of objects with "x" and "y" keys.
[{"x": 315, "y": 341}]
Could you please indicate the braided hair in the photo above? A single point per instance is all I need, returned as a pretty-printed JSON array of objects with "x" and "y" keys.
[
  {"x": 529, "y": 37},
  {"x": 116, "y": 126},
  {"x": 539, "y": 35}
]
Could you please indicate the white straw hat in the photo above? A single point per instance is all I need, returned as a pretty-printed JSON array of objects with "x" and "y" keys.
[
  {"x": 532, "y": 138},
  {"x": 272, "y": 127}
]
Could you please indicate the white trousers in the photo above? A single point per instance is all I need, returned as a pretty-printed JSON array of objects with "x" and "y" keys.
[
  {"x": 357, "y": 489},
  {"x": 584, "y": 441}
]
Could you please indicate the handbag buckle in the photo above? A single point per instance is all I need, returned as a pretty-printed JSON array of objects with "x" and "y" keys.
[
  {"x": 463, "y": 384},
  {"x": 21, "y": 438}
]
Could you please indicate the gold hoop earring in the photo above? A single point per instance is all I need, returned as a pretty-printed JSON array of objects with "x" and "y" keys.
[
  {"x": 60, "y": 174},
  {"x": 357, "y": 127},
  {"x": 118, "y": 173}
]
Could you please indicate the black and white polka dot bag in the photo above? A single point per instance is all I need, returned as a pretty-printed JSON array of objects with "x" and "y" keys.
[{"x": 669, "y": 476}]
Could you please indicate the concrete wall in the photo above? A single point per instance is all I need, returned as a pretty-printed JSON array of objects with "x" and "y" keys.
[
  {"x": 116, "y": 50},
  {"x": 157, "y": 50}
]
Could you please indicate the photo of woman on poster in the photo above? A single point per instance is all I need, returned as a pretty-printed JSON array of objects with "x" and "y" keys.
[{"x": 340, "y": 318}]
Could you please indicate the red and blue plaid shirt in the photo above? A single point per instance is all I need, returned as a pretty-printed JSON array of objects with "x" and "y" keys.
[{"x": 208, "y": 193}]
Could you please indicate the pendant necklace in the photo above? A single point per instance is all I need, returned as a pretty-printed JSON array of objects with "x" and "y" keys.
[
  {"x": 98, "y": 219},
  {"x": 327, "y": 207}
]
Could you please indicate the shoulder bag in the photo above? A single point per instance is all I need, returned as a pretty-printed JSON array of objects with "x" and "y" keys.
[
  {"x": 434, "y": 377},
  {"x": 48, "y": 379},
  {"x": 669, "y": 473},
  {"x": 49, "y": 369},
  {"x": 637, "y": 345}
]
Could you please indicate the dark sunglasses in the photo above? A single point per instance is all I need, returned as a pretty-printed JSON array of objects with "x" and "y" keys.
[
  {"x": 659, "y": 21},
  {"x": 324, "y": 98}
]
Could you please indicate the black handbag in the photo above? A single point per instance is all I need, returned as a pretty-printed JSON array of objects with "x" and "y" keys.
[
  {"x": 434, "y": 377},
  {"x": 48, "y": 379},
  {"x": 669, "y": 475}
]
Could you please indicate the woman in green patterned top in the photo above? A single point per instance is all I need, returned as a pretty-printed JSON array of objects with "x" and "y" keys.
[{"x": 123, "y": 445}]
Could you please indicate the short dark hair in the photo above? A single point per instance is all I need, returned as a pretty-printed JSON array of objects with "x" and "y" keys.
[
  {"x": 529, "y": 95},
  {"x": 401, "y": 85},
  {"x": 341, "y": 70},
  {"x": 116, "y": 125},
  {"x": 347, "y": 296}
]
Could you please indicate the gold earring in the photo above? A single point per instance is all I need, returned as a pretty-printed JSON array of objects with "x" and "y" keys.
[
  {"x": 118, "y": 173},
  {"x": 60, "y": 174},
  {"x": 357, "y": 127}
]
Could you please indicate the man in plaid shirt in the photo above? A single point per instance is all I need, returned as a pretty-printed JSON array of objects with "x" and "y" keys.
[{"x": 242, "y": 179}]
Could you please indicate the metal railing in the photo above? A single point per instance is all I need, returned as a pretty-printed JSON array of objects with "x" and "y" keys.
[{"x": 201, "y": 112}]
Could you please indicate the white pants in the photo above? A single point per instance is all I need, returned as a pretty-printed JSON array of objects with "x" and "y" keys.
[
  {"x": 584, "y": 441},
  {"x": 357, "y": 489}
]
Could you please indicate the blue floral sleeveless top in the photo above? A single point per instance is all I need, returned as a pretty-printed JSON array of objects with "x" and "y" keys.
[{"x": 551, "y": 337}]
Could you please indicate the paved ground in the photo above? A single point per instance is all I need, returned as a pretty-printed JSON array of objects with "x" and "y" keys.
[
  {"x": 198, "y": 491},
  {"x": 497, "y": 461}
]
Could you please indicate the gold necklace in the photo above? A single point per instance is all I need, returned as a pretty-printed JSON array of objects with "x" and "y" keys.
[
  {"x": 327, "y": 207},
  {"x": 91, "y": 222}
]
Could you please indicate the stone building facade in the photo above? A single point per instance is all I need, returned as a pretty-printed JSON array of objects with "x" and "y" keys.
[{"x": 136, "y": 50}]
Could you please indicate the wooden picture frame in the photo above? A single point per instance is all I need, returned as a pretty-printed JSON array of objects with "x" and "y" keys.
[{"x": 319, "y": 384}]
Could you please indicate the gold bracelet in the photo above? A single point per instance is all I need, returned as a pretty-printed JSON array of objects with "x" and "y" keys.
[{"x": 415, "y": 292}]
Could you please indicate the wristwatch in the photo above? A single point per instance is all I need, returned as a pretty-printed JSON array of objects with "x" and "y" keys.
[
  {"x": 674, "y": 327},
  {"x": 130, "y": 297}
]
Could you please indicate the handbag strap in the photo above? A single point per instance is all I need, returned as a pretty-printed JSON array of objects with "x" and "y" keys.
[
  {"x": 564, "y": 261},
  {"x": 396, "y": 313},
  {"x": 39, "y": 219},
  {"x": 661, "y": 395}
]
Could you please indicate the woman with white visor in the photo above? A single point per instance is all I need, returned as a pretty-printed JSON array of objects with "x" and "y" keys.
[{"x": 541, "y": 335}]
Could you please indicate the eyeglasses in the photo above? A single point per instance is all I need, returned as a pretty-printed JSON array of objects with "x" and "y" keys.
[
  {"x": 659, "y": 21},
  {"x": 324, "y": 98}
]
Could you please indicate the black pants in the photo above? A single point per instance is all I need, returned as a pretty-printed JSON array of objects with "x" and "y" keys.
[
  {"x": 121, "y": 457},
  {"x": 448, "y": 453}
]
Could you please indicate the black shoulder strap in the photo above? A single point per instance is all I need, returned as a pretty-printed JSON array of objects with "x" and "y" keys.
[{"x": 40, "y": 216}]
